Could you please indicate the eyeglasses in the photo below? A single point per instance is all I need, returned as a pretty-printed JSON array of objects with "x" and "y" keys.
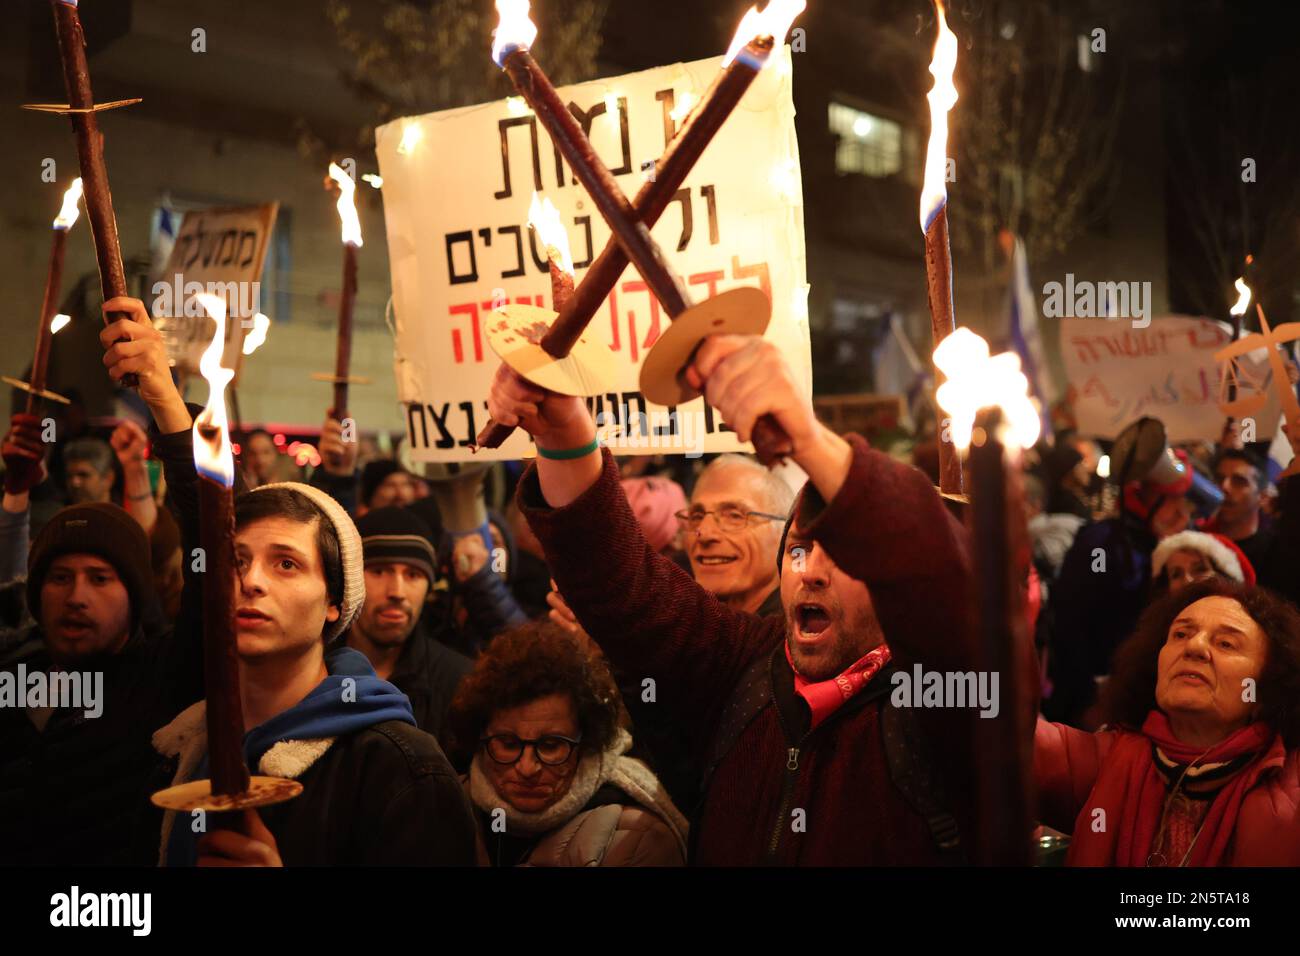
[
  {"x": 728, "y": 519},
  {"x": 550, "y": 750}
]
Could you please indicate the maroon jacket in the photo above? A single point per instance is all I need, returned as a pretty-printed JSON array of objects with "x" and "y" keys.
[
  {"x": 1067, "y": 763},
  {"x": 886, "y": 527}
]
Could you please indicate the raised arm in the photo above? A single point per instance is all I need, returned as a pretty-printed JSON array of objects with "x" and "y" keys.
[
  {"x": 173, "y": 443},
  {"x": 23, "y": 453},
  {"x": 131, "y": 445}
]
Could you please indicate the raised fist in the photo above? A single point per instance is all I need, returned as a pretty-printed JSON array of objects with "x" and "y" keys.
[{"x": 24, "y": 454}]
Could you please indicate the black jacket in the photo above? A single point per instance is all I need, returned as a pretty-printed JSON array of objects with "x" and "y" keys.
[
  {"x": 383, "y": 796},
  {"x": 77, "y": 792},
  {"x": 1280, "y": 567},
  {"x": 428, "y": 673}
]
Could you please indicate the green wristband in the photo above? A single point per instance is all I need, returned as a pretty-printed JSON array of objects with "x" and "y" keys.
[{"x": 568, "y": 454}]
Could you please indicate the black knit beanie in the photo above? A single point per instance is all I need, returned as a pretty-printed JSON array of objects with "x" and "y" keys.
[
  {"x": 100, "y": 529},
  {"x": 373, "y": 475},
  {"x": 391, "y": 535}
]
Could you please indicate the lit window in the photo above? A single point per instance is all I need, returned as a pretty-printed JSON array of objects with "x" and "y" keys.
[{"x": 868, "y": 144}]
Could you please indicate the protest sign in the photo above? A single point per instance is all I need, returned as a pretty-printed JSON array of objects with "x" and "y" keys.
[
  {"x": 1119, "y": 373},
  {"x": 457, "y": 187},
  {"x": 220, "y": 251}
]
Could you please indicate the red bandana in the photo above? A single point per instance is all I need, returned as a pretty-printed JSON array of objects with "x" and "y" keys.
[{"x": 827, "y": 696}]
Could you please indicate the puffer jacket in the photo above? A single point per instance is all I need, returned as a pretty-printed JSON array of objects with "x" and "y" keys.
[
  {"x": 616, "y": 813},
  {"x": 611, "y": 834}
]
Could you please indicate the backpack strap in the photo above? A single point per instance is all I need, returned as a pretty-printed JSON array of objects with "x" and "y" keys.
[
  {"x": 750, "y": 696},
  {"x": 913, "y": 773}
]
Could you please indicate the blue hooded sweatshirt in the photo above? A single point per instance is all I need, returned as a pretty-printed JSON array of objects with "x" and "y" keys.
[{"x": 332, "y": 709}]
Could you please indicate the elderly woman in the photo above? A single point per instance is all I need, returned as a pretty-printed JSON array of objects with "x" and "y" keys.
[
  {"x": 550, "y": 776},
  {"x": 1190, "y": 556},
  {"x": 1200, "y": 765}
]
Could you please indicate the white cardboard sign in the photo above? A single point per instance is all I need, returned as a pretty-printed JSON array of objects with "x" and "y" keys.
[
  {"x": 457, "y": 187},
  {"x": 1167, "y": 370}
]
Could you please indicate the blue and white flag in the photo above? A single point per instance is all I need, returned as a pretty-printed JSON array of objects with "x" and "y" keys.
[
  {"x": 1025, "y": 336},
  {"x": 898, "y": 370}
]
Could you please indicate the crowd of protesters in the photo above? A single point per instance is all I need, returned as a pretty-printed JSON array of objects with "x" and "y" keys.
[{"x": 635, "y": 662}]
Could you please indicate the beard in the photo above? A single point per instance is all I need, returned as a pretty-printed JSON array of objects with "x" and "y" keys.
[
  {"x": 854, "y": 636},
  {"x": 390, "y": 634}
]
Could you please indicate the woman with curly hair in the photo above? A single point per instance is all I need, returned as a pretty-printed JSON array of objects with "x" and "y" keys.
[
  {"x": 550, "y": 778},
  {"x": 1199, "y": 763}
]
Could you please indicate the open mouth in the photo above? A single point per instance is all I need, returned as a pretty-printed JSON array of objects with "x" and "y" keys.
[
  {"x": 812, "y": 619},
  {"x": 713, "y": 560}
]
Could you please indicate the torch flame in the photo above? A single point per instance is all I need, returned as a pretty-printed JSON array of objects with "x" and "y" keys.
[
  {"x": 942, "y": 96},
  {"x": 213, "y": 456},
  {"x": 58, "y": 322},
  {"x": 254, "y": 339},
  {"x": 411, "y": 136},
  {"x": 773, "y": 22},
  {"x": 515, "y": 31},
  {"x": 68, "y": 214},
  {"x": 685, "y": 103},
  {"x": 347, "y": 205},
  {"x": 1243, "y": 298},
  {"x": 976, "y": 380},
  {"x": 545, "y": 218}
]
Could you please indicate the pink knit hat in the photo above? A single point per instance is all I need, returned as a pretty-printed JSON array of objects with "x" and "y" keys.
[
  {"x": 1222, "y": 553},
  {"x": 655, "y": 502}
]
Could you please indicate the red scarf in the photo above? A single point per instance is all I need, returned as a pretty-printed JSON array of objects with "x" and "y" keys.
[
  {"x": 1132, "y": 791},
  {"x": 827, "y": 696}
]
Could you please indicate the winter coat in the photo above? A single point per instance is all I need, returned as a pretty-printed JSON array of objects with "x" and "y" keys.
[
  {"x": 783, "y": 794},
  {"x": 77, "y": 791},
  {"x": 1067, "y": 763},
  {"x": 1279, "y": 569},
  {"x": 382, "y": 796},
  {"x": 615, "y": 813},
  {"x": 428, "y": 673},
  {"x": 1103, "y": 586}
]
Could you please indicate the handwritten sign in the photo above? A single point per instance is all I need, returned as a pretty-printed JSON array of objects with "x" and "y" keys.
[
  {"x": 457, "y": 187},
  {"x": 1167, "y": 370},
  {"x": 220, "y": 251}
]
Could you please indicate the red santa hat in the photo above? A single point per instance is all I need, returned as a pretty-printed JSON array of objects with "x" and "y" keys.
[{"x": 1224, "y": 556}]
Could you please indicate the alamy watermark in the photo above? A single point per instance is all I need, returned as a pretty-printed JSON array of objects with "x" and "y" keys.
[
  {"x": 70, "y": 689},
  {"x": 1083, "y": 299},
  {"x": 956, "y": 689},
  {"x": 178, "y": 298},
  {"x": 648, "y": 432},
  {"x": 78, "y": 909}
]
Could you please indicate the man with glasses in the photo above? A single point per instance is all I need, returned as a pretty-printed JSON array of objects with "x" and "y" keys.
[{"x": 732, "y": 531}]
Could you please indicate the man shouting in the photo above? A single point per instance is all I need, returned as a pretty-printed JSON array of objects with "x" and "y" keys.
[{"x": 806, "y": 760}]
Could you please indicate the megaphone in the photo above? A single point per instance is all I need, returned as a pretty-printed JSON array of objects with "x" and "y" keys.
[
  {"x": 1142, "y": 453},
  {"x": 459, "y": 490}
]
